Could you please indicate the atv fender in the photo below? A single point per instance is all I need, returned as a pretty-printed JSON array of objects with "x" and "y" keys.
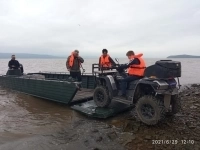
[
  {"x": 110, "y": 84},
  {"x": 150, "y": 83},
  {"x": 138, "y": 91}
]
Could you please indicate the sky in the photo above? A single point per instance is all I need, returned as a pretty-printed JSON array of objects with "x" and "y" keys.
[{"x": 156, "y": 28}]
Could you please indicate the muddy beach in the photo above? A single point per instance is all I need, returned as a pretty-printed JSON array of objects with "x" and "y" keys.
[{"x": 31, "y": 123}]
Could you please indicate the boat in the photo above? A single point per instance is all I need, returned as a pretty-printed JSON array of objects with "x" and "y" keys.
[{"x": 56, "y": 86}]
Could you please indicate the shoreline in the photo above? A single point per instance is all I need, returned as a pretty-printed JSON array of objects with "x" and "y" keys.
[{"x": 27, "y": 125}]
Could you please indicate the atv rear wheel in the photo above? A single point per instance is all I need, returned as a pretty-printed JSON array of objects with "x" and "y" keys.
[
  {"x": 101, "y": 97},
  {"x": 176, "y": 104},
  {"x": 150, "y": 110}
]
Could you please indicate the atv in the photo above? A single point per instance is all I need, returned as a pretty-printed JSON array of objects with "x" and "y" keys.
[{"x": 153, "y": 96}]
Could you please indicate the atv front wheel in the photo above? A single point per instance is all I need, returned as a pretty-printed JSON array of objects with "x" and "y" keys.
[
  {"x": 101, "y": 97},
  {"x": 150, "y": 110}
]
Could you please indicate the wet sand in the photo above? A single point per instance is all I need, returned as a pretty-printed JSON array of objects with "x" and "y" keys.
[
  {"x": 32, "y": 123},
  {"x": 29, "y": 123}
]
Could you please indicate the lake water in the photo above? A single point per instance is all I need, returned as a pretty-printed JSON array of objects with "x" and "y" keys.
[
  {"x": 32, "y": 123},
  {"x": 190, "y": 67}
]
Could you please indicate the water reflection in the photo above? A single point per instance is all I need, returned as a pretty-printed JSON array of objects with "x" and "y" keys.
[{"x": 20, "y": 112}]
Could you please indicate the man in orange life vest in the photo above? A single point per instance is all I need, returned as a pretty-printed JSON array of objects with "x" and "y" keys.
[
  {"x": 136, "y": 67},
  {"x": 105, "y": 61},
  {"x": 73, "y": 65}
]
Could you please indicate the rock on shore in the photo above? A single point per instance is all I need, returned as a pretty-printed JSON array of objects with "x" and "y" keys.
[{"x": 180, "y": 131}]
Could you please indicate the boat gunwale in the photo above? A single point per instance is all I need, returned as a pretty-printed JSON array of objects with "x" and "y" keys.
[
  {"x": 45, "y": 79},
  {"x": 64, "y": 73}
]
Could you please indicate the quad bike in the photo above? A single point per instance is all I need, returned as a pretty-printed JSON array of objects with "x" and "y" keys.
[
  {"x": 154, "y": 95},
  {"x": 17, "y": 72}
]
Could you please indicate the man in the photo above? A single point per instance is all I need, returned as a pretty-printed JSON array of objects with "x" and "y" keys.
[
  {"x": 13, "y": 64},
  {"x": 136, "y": 67},
  {"x": 105, "y": 61},
  {"x": 73, "y": 65}
]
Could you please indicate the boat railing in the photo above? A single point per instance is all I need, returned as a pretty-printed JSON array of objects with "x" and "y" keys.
[
  {"x": 52, "y": 72},
  {"x": 97, "y": 69},
  {"x": 40, "y": 77}
]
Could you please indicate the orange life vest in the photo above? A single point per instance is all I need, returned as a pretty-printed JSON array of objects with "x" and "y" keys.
[
  {"x": 105, "y": 62},
  {"x": 137, "y": 70},
  {"x": 71, "y": 60}
]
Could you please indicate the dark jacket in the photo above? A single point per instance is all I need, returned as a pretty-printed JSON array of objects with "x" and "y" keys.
[
  {"x": 76, "y": 66},
  {"x": 13, "y": 64},
  {"x": 135, "y": 61}
]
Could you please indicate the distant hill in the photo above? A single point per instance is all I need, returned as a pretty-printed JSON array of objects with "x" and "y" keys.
[
  {"x": 24, "y": 55},
  {"x": 183, "y": 56}
]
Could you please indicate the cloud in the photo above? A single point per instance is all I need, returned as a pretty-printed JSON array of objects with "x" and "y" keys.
[{"x": 58, "y": 27}]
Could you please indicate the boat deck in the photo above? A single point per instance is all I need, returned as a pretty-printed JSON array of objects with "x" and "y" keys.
[{"x": 83, "y": 94}]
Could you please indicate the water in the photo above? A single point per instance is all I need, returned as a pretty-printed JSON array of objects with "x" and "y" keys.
[
  {"x": 28, "y": 122},
  {"x": 190, "y": 67}
]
